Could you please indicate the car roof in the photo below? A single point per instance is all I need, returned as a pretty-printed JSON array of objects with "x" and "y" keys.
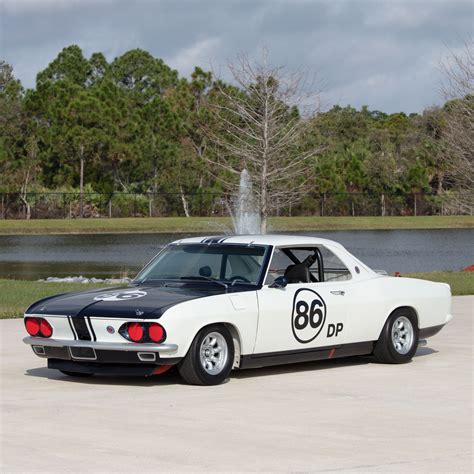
[{"x": 276, "y": 240}]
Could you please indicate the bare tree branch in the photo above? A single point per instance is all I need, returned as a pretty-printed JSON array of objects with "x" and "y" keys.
[
  {"x": 258, "y": 126},
  {"x": 458, "y": 134}
]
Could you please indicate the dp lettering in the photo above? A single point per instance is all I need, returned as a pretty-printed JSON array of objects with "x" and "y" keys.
[{"x": 334, "y": 329}]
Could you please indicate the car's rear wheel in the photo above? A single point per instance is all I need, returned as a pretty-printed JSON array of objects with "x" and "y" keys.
[
  {"x": 75, "y": 374},
  {"x": 210, "y": 357},
  {"x": 398, "y": 341}
]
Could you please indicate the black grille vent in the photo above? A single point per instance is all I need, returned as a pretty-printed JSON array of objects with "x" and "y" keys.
[{"x": 81, "y": 329}]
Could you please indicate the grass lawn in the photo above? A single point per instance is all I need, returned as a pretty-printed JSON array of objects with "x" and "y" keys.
[
  {"x": 218, "y": 225},
  {"x": 462, "y": 283},
  {"x": 17, "y": 295}
]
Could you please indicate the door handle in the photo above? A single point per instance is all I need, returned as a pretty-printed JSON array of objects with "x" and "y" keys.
[{"x": 340, "y": 293}]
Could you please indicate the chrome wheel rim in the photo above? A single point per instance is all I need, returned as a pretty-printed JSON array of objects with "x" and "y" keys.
[
  {"x": 213, "y": 353},
  {"x": 402, "y": 335}
]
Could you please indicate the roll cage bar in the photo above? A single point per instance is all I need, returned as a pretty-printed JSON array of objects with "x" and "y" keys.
[{"x": 319, "y": 257}]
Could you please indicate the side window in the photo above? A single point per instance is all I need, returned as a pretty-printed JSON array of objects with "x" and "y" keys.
[
  {"x": 334, "y": 268},
  {"x": 278, "y": 265},
  {"x": 301, "y": 254},
  {"x": 281, "y": 261}
]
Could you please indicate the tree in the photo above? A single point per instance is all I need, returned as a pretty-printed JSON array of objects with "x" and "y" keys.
[
  {"x": 259, "y": 129},
  {"x": 382, "y": 169},
  {"x": 28, "y": 171},
  {"x": 98, "y": 69},
  {"x": 160, "y": 148},
  {"x": 458, "y": 134},
  {"x": 18, "y": 143},
  {"x": 120, "y": 164},
  {"x": 70, "y": 65},
  {"x": 142, "y": 76},
  {"x": 190, "y": 101},
  {"x": 89, "y": 132},
  {"x": 133, "y": 125},
  {"x": 11, "y": 122},
  {"x": 353, "y": 165}
]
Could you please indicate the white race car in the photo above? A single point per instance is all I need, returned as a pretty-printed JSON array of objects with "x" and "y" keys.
[{"x": 213, "y": 304}]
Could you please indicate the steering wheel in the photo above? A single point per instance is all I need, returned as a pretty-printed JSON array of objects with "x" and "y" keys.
[{"x": 238, "y": 277}]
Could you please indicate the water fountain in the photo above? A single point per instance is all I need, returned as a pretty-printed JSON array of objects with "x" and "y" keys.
[{"x": 245, "y": 216}]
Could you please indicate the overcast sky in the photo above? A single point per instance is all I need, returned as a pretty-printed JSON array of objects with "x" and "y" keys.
[{"x": 382, "y": 53}]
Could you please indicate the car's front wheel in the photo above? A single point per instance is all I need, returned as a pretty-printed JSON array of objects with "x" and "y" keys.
[
  {"x": 398, "y": 341},
  {"x": 210, "y": 357}
]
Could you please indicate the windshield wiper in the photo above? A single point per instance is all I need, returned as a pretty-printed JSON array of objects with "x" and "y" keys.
[
  {"x": 146, "y": 279},
  {"x": 219, "y": 282}
]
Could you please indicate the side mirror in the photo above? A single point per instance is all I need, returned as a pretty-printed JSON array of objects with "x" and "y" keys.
[{"x": 279, "y": 282}]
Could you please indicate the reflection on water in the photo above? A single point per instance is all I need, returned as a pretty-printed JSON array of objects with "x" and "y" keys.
[{"x": 40, "y": 256}]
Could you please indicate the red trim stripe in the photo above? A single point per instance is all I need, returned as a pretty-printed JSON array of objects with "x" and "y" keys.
[
  {"x": 161, "y": 369},
  {"x": 331, "y": 353}
]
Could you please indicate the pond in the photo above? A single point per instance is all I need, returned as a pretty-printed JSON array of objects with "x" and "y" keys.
[{"x": 106, "y": 255}]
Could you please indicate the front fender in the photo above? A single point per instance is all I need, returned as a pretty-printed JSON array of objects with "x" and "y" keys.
[{"x": 184, "y": 320}]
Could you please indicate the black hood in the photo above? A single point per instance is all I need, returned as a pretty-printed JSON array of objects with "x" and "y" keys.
[{"x": 137, "y": 301}]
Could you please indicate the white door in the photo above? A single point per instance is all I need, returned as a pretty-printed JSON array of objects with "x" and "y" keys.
[{"x": 300, "y": 315}]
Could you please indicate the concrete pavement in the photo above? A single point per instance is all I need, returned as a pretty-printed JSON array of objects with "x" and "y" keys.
[{"x": 340, "y": 415}]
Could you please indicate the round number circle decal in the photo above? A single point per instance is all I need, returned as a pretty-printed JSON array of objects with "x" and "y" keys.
[
  {"x": 308, "y": 315},
  {"x": 121, "y": 295}
]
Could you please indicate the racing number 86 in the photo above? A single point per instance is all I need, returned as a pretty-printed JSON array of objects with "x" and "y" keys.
[{"x": 306, "y": 314}]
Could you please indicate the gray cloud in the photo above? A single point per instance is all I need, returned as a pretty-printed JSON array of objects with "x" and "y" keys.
[{"x": 381, "y": 53}]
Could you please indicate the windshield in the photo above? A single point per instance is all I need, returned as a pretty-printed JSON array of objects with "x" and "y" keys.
[{"x": 229, "y": 263}]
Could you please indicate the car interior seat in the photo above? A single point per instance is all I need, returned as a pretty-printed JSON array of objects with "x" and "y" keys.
[
  {"x": 298, "y": 273},
  {"x": 205, "y": 271}
]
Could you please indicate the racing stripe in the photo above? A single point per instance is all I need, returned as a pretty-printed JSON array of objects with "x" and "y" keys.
[
  {"x": 88, "y": 319},
  {"x": 72, "y": 328},
  {"x": 81, "y": 328},
  {"x": 215, "y": 239},
  {"x": 208, "y": 240}
]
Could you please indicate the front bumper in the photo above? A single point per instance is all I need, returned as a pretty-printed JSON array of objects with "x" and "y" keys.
[
  {"x": 94, "y": 353},
  {"x": 104, "y": 346}
]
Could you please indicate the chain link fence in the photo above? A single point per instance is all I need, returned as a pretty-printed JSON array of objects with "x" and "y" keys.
[{"x": 57, "y": 205}]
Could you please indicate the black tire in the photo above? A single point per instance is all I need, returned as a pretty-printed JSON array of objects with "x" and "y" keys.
[
  {"x": 385, "y": 350},
  {"x": 75, "y": 374},
  {"x": 191, "y": 368}
]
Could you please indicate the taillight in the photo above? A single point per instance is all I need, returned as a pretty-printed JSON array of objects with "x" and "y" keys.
[
  {"x": 38, "y": 327},
  {"x": 135, "y": 331},
  {"x": 32, "y": 326},
  {"x": 143, "y": 332},
  {"x": 45, "y": 328},
  {"x": 156, "y": 332}
]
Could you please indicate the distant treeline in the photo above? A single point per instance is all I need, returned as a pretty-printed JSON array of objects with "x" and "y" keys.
[{"x": 135, "y": 126}]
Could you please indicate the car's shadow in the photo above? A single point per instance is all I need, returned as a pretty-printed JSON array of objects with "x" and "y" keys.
[
  {"x": 168, "y": 378},
  {"x": 317, "y": 365},
  {"x": 424, "y": 351},
  {"x": 172, "y": 377},
  {"x": 302, "y": 367}
]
